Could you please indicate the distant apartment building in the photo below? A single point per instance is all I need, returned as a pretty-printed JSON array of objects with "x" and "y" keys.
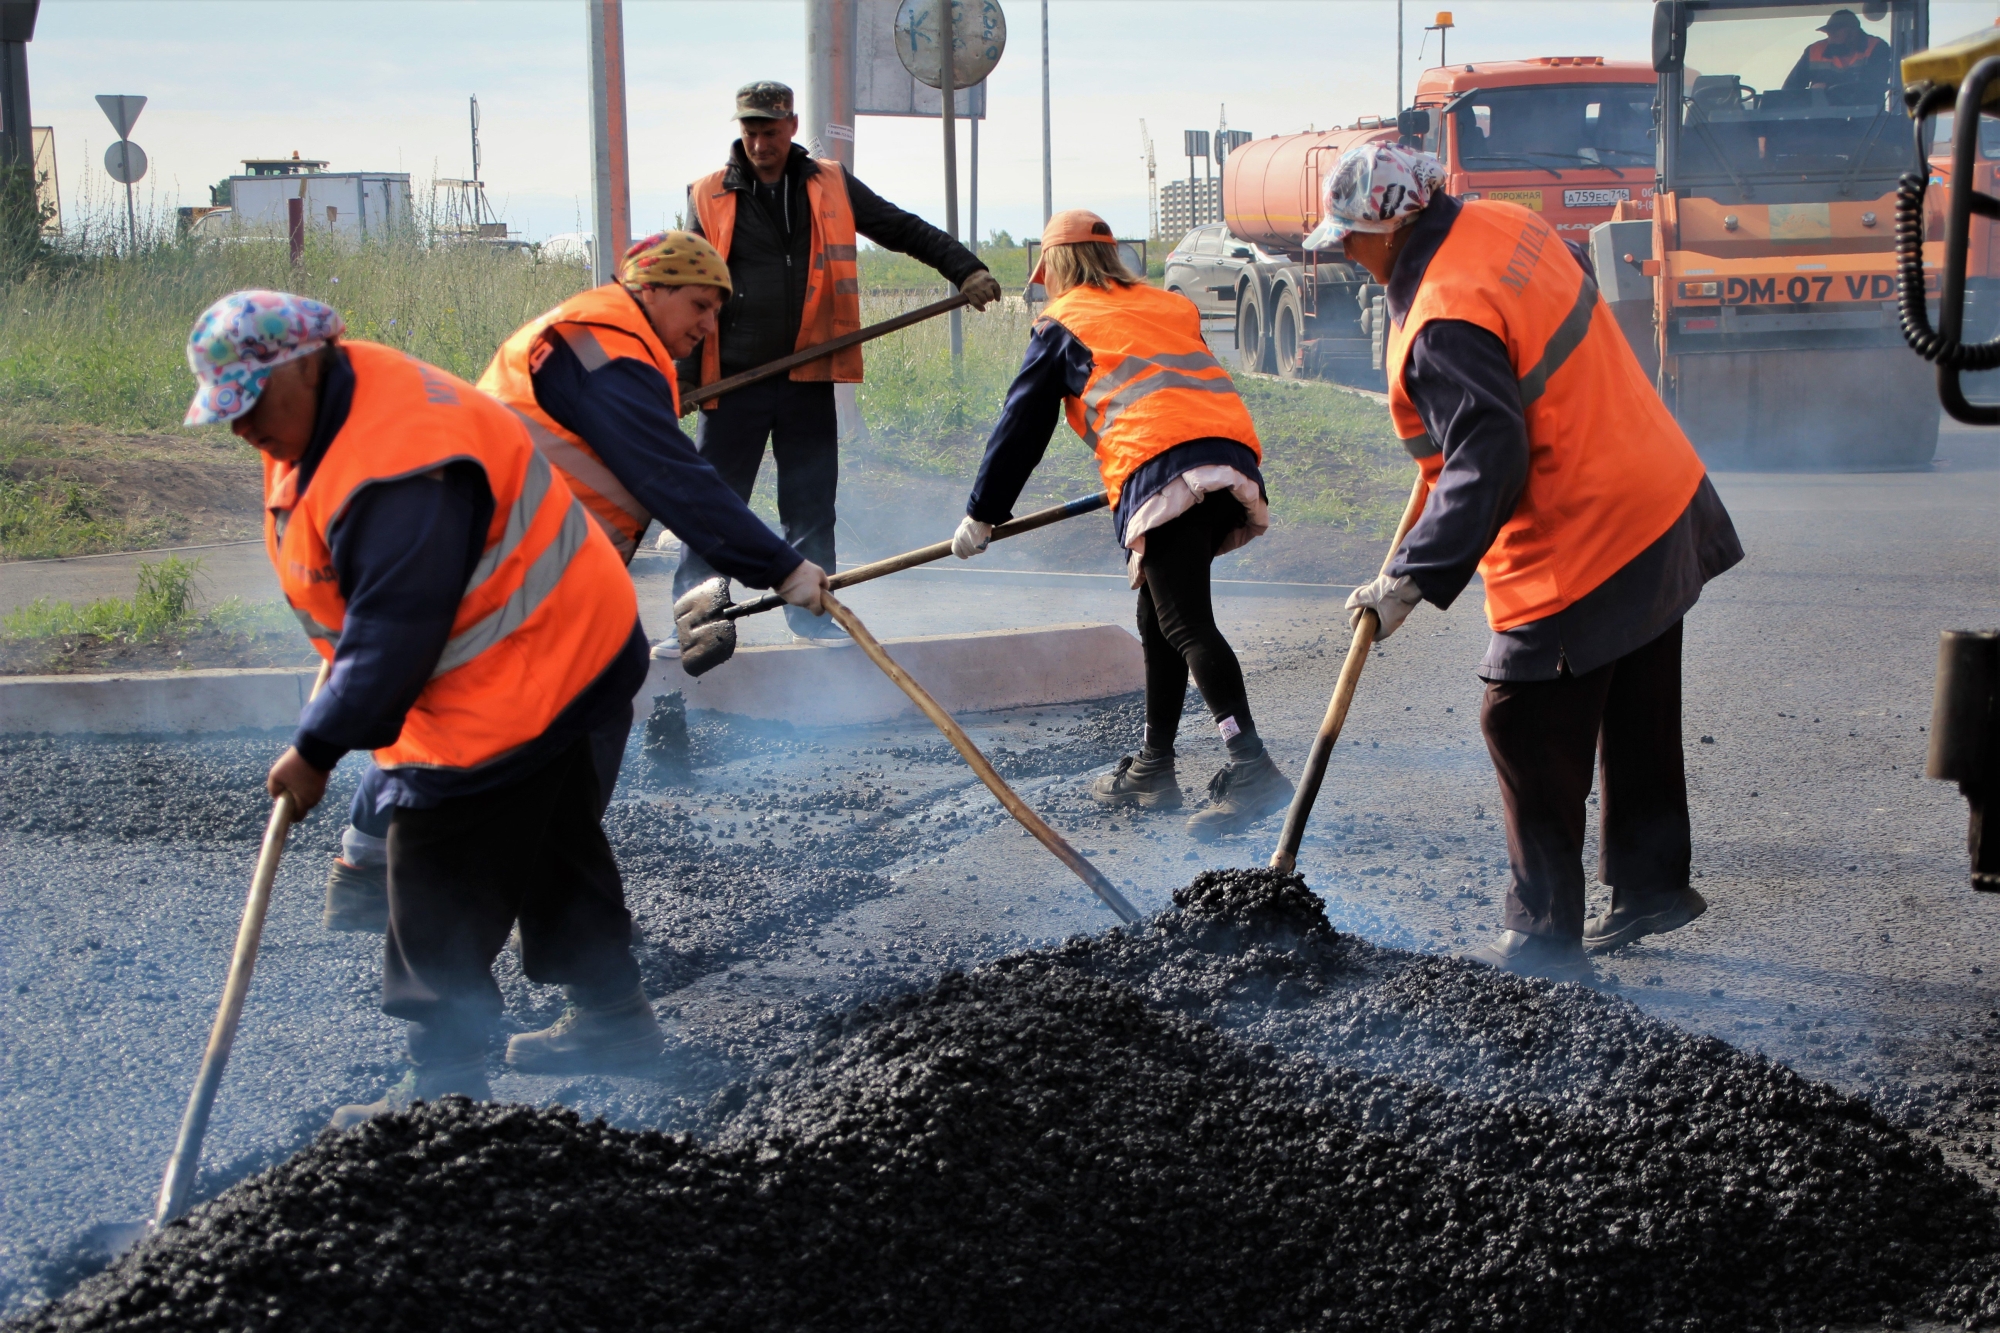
[{"x": 1176, "y": 220}]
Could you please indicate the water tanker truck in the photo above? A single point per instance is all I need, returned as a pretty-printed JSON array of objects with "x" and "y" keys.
[{"x": 1567, "y": 136}]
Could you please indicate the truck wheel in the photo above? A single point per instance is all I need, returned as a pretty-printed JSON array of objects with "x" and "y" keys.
[
  {"x": 1288, "y": 325},
  {"x": 1253, "y": 343}
]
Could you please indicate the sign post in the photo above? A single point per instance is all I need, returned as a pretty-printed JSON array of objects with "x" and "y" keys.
[
  {"x": 125, "y": 160},
  {"x": 935, "y": 50}
]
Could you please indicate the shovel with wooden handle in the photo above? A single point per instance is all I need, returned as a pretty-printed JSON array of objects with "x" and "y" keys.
[
  {"x": 793, "y": 360},
  {"x": 961, "y": 742},
  {"x": 704, "y": 618},
  {"x": 115, "y": 1237},
  {"x": 1303, "y": 796}
]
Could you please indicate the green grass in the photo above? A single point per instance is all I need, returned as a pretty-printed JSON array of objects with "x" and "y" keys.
[
  {"x": 885, "y": 270},
  {"x": 52, "y": 517},
  {"x": 163, "y": 604},
  {"x": 102, "y": 339},
  {"x": 1331, "y": 458}
]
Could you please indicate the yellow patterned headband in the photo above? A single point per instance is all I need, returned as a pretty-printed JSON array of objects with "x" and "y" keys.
[{"x": 674, "y": 259}]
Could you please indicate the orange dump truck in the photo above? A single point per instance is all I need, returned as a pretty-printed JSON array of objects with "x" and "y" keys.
[
  {"x": 1766, "y": 273},
  {"x": 1567, "y": 136}
]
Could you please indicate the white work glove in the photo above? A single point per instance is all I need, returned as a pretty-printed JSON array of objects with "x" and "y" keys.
[
  {"x": 1391, "y": 599},
  {"x": 803, "y": 586},
  {"x": 971, "y": 538}
]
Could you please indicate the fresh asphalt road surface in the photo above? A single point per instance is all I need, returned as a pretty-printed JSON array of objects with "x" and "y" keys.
[{"x": 1841, "y": 938}]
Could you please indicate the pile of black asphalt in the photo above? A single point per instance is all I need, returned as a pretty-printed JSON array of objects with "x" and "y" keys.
[{"x": 1230, "y": 1117}]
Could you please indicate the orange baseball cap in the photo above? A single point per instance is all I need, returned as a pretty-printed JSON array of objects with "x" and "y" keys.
[{"x": 1072, "y": 226}]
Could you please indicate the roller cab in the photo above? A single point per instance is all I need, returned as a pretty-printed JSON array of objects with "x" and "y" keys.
[{"x": 1769, "y": 263}]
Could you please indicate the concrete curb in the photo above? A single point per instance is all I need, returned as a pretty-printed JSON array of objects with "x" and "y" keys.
[
  {"x": 796, "y": 683},
  {"x": 831, "y": 687}
]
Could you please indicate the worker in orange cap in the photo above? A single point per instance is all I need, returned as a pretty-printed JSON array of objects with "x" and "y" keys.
[
  {"x": 593, "y": 380},
  {"x": 1179, "y": 457},
  {"x": 1555, "y": 472}
]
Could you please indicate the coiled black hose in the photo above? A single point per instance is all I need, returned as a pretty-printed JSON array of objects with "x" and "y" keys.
[{"x": 1924, "y": 340}]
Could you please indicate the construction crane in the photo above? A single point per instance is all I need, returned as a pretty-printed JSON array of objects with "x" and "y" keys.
[{"x": 1152, "y": 183}]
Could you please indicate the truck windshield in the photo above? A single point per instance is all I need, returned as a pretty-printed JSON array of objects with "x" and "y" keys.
[
  {"x": 1563, "y": 127},
  {"x": 1794, "y": 93}
]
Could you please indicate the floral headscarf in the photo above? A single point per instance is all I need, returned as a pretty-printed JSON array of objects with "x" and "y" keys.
[
  {"x": 1377, "y": 187},
  {"x": 242, "y": 338}
]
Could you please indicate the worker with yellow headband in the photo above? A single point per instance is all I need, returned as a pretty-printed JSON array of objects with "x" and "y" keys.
[{"x": 593, "y": 382}]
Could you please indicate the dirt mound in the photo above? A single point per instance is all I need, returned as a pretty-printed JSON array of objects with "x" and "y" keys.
[{"x": 1057, "y": 1139}]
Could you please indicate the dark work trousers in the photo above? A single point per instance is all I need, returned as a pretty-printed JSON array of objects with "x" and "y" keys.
[
  {"x": 1177, "y": 621},
  {"x": 798, "y": 419},
  {"x": 461, "y": 873},
  {"x": 1543, "y": 736}
]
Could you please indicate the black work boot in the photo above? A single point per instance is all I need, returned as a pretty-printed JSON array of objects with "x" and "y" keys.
[
  {"x": 1148, "y": 784},
  {"x": 592, "y": 1038},
  {"x": 357, "y": 897},
  {"x": 1533, "y": 956},
  {"x": 424, "y": 1083},
  {"x": 1240, "y": 794},
  {"x": 1634, "y": 915}
]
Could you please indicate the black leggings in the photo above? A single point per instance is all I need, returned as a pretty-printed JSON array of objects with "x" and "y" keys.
[{"x": 1177, "y": 622}]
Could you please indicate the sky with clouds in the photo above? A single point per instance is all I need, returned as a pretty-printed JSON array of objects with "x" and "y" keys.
[{"x": 382, "y": 85}]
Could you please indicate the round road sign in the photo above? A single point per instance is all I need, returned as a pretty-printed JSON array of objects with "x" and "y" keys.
[
  {"x": 978, "y": 36},
  {"x": 126, "y": 161}
]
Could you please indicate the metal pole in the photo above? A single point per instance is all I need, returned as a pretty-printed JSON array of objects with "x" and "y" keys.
[
  {"x": 947, "y": 60},
  {"x": 972, "y": 212},
  {"x": 829, "y": 104},
  {"x": 1399, "y": 56},
  {"x": 611, "y": 194},
  {"x": 1048, "y": 167},
  {"x": 131, "y": 222}
]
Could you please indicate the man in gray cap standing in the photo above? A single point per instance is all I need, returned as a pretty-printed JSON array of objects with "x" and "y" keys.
[{"x": 786, "y": 222}]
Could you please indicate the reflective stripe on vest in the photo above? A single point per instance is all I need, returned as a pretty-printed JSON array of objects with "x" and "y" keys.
[
  {"x": 599, "y": 326},
  {"x": 547, "y": 592},
  {"x": 833, "y": 280},
  {"x": 1609, "y": 470},
  {"x": 1819, "y": 54},
  {"x": 1153, "y": 382}
]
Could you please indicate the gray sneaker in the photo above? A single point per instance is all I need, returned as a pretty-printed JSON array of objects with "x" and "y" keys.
[
  {"x": 584, "y": 1040},
  {"x": 424, "y": 1083},
  {"x": 1533, "y": 956},
  {"x": 357, "y": 897},
  {"x": 1239, "y": 795},
  {"x": 1654, "y": 914},
  {"x": 1158, "y": 790}
]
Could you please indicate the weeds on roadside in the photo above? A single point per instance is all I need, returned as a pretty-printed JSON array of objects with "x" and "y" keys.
[
  {"x": 102, "y": 339},
  {"x": 52, "y": 516},
  {"x": 163, "y": 605}
]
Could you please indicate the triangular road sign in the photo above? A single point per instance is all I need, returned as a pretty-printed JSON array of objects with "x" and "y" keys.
[{"x": 123, "y": 109}]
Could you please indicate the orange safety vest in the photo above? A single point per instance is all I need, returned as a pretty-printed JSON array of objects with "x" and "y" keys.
[
  {"x": 1609, "y": 471},
  {"x": 833, "y": 286},
  {"x": 548, "y": 607},
  {"x": 1153, "y": 382},
  {"x": 599, "y": 325},
  {"x": 1822, "y": 64}
]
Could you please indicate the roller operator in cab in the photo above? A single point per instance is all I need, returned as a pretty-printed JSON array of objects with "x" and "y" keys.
[{"x": 1846, "y": 57}]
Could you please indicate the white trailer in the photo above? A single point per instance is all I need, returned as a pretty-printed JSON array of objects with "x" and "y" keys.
[{"x": 355, "y": 205}]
